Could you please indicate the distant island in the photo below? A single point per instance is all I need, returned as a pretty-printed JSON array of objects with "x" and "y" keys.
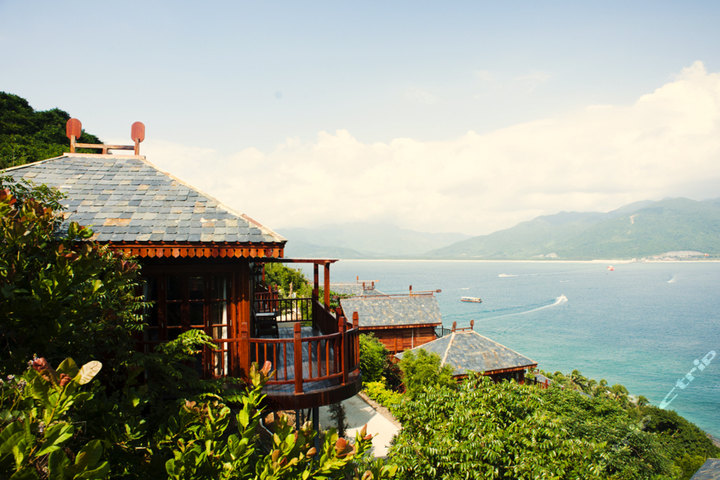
[{"x": 669, "y": 229}]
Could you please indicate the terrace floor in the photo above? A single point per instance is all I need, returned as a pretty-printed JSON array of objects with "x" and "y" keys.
[{"x": 315, "y": 356}]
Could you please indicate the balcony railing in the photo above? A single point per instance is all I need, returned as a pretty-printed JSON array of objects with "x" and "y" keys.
[{"x": 320, "y": 352}]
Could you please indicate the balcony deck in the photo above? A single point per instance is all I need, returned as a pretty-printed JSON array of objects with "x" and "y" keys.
[{"x": 315, "y": 356}]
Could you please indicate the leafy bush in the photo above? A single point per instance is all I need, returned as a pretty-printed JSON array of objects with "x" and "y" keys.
[
  {"x": 38, "y": 436},
  {"x": 483, "y": 430},
  {"x": 387, "y": 398},
  {"x": 60, "y": 292},
  {"x": 373, "y": 358},
  {"x": 422, "y": 371},
  {"x": 287, "y": 279}
]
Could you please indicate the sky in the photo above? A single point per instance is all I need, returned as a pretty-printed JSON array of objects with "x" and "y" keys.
[{"x": 464, "y": 116}]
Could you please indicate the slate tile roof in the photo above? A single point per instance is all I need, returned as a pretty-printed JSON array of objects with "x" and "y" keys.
[
  {"x": 710, "y": 470},
  {"x": 127, "y": 199},
  {"x": 385, "y": 311},
  {"x": 354, "y": 289},
  {"x": 467, "y": 351}
]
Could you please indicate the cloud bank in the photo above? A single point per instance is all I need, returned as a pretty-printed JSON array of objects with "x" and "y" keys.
[{"x": 667, "y": 143}]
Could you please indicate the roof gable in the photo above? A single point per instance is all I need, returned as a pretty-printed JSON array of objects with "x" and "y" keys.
[
  {"x": 389, "y": 311},
  {"x": 127, "y": 199},
  {"x": 467, "y": 351},
  {"x": 710, "y": 470}
]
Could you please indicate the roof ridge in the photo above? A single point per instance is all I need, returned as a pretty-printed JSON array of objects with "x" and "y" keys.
[
  {"x": 447, "y": 349},
  {"x": 497, "y": 343},
  {"x": 219, "y": 203}
]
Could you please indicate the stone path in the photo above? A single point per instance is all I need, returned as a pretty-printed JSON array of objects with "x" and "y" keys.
[{"x": 360, "y": 411}]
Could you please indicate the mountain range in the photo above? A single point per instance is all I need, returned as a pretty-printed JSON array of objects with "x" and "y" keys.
[{"x": 669, "y": 228}]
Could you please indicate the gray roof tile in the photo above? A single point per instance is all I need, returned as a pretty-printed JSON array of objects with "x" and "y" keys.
[
  {"x": 710, "y": 470},
  {"x": 160, "y": 207},
  {"x": 467, "y": 351},
  {"x": 381, "y": 311}
]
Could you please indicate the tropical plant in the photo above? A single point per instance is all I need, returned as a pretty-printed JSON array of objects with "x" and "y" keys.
[
  {"x": 38, "y": 437},
  {"x": 60, "y": 292},
  {"x": 373, "y": 358},
  {"x": 422, "y": 371},
  {"x": 483, "y": 430}
]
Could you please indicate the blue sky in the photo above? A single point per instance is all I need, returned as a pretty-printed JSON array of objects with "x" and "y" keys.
[{"x": 437, "y": 116}]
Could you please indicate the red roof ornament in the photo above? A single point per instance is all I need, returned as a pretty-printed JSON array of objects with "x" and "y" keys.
[
  {"x": 137, "y": 132},
  {"x": 73, "y": 129}
]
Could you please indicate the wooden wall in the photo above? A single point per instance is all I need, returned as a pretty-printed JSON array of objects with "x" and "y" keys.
[{"x": 399, "y": 339}]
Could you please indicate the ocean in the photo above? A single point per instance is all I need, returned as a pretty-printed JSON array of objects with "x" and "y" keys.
[{"x": 643, "y": 325}]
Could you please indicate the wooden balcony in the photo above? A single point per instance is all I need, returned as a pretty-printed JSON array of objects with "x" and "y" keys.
[{"x": 315, "y": 354}]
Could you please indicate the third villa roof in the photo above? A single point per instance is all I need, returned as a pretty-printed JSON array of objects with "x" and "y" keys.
[{"x": 467, "y": 351}]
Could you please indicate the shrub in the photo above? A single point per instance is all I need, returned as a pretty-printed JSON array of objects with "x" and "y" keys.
[{"x": 422, "y": 371}]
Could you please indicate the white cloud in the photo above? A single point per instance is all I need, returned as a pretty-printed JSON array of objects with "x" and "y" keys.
[
  {"x": 419, "y": 95},
  {"x": 665, "y": 144}
]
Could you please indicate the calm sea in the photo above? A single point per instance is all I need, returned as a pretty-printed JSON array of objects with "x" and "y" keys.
[{"x": 641, "y": 325}]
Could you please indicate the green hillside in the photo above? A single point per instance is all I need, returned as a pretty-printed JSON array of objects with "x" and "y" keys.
[
  {"x": 635, "y": 231},
  {"x": 27, "y": 135}
]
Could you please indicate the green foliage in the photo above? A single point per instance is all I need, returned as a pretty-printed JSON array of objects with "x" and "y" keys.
[
  {"x": 629, "y": 451},
  {"x": 389, "y": 399},
  {"x": 374, "y": 358},
  {"x": 486, "y": 430},
  {"x": 578, "y": 428},
  {"x": 287, "y": 280},
  {"x": 422, "y": 371},
  {"x": 685, "y": 443},
  {"x": 60, "y": 292},
  {"x": 38, "y": 437},
  {"x": 28, "y": 136}
]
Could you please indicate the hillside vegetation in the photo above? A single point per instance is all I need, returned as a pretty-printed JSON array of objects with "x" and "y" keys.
[
  {"x": 635, "y": 231},
  {"x": 27, "y": 135}
]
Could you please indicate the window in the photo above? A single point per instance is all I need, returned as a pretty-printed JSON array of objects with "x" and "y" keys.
[{"x": 185, "y": 301}]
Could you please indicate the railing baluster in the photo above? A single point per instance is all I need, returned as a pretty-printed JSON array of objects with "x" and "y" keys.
[
  {"x": 327, "y": 357},
  {"x": 285, "y": 347},
  {"x": 319, "y": 363},
  {"x": 297, "y": 346}
]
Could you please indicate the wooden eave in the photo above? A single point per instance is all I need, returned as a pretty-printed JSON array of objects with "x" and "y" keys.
[
  {"x": 199, "y": 249},
  {"x": 394, "y": 327},
  {"x": 501, "y": 370}
]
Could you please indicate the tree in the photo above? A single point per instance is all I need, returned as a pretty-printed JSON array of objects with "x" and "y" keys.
[
  {"x": 483, "y": 430},
  {"x": 422, "y": 371},
  {"x": 287, "y": 280},
  {"x": 373, "y": 358},
  {"x": 28, "y": 136},
  {"x": 60, "y": 292}
]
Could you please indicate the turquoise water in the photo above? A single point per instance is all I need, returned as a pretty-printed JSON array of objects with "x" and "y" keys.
[{"x": 641, "y": 325}]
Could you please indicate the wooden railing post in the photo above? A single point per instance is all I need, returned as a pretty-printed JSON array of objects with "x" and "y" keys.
[
  {"x": 298, "y": 358},
  {"x": 243, "y": 348},
  {"x": 345, "y": 350},
  {"x": 356, "y": 338}
]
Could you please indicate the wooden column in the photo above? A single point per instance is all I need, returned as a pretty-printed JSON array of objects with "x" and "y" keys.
[
  {"x": 326, "y": 278},
  {"x": 316, "y": 283},
  {"x": 244, "y": 304}
]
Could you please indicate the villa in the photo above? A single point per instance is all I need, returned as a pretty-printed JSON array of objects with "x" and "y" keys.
[{"x": 202, "y": 263}]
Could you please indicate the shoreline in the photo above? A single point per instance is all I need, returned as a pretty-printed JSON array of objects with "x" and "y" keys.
[{"x": 598, "y": 261}]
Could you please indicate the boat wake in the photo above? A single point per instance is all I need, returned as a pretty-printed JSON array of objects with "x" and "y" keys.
[
  {"x": 673, "y": 279},
  {"x": 524, "y": 310}
]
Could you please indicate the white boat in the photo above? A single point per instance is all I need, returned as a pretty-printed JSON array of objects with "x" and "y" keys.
[{"x": 471, "y": 299}]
